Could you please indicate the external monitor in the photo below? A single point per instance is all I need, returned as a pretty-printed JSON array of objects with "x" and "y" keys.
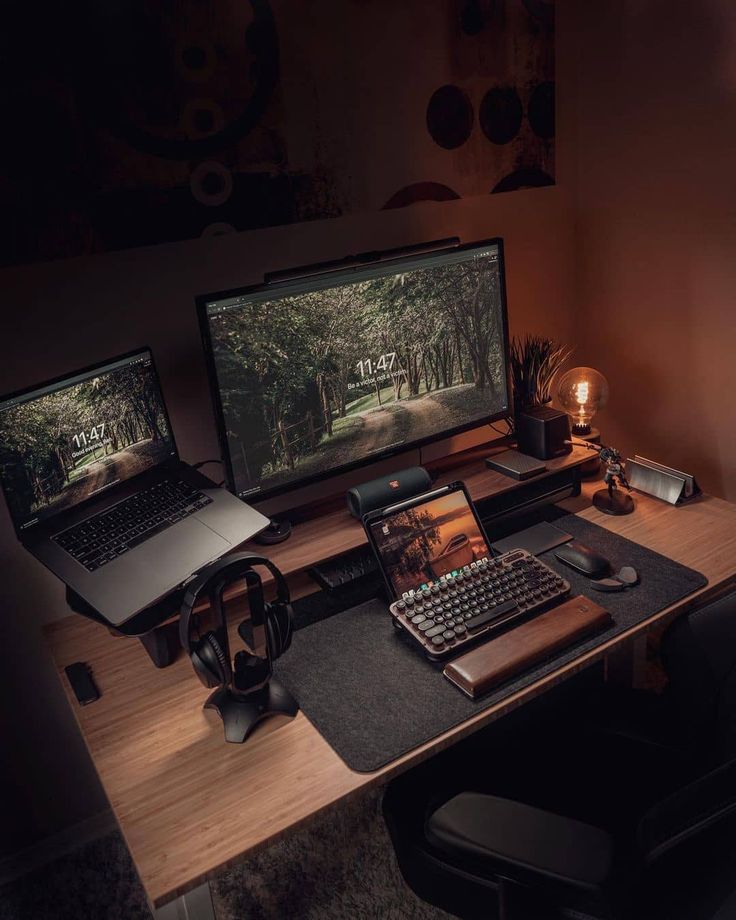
[{"x": 325, "y": 372}]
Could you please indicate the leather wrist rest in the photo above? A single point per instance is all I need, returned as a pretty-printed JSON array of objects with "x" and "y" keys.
[{"x": 494, "y": 662}]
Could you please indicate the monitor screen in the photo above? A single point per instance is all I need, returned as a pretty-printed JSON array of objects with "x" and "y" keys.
[
  {"x": 66, "y": 441},
  {"x": 428, "y": 542},
  {"x": 320, "y": 374}
]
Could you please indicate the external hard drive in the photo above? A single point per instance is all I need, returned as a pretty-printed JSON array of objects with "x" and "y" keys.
[{"x": 515, "y": 464}]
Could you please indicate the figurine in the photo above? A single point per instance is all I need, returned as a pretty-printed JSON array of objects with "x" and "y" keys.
[
  {"x": 611, "y": 500},
  {"x": 614, "y": 469}
]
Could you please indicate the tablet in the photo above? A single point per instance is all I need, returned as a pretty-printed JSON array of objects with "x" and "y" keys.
[{"x": 426, "y": 539}]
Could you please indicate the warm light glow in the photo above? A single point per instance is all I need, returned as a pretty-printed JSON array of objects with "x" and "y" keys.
[{"x": 581, "y": 392}]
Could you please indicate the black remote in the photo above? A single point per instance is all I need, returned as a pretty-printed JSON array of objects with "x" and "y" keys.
[{"x": 81, "y": 682}]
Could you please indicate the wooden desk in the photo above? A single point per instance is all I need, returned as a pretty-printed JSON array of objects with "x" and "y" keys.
[{"x": 190, "y": 805}]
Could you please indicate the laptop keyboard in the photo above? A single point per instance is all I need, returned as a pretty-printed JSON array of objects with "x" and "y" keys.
[{"x": 102, "y": 538}]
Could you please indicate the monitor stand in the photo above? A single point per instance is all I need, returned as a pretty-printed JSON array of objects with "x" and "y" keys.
[{"x": 276, "y": 532}]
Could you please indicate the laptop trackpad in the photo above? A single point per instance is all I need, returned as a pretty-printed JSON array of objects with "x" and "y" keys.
[{"x": 178, "y": 551}]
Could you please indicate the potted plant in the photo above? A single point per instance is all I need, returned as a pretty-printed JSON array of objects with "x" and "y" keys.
[{"x": 535, "y": 361}]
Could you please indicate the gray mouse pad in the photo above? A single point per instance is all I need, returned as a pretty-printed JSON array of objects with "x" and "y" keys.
[{"x": 373, "y": 696}]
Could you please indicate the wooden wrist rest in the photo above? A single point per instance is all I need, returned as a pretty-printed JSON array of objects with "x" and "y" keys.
[{"x": 497, "y": 660}]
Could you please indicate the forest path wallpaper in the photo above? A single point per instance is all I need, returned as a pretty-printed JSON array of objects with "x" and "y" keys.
[
  {"x": 367, "y": 431},
  {"x": 320, "y": 378},
  {"x": 63, "y": 446}
]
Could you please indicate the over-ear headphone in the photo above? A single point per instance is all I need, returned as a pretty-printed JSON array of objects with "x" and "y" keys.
[{"x": 210, "y": 653}]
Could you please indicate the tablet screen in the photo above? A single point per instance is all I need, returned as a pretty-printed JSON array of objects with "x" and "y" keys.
[{"x": 427, "y": 542}]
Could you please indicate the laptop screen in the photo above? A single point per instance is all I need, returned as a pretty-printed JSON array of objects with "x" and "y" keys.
[
  {"x": 428, "y": 541},
  {"x": 64, "y": 442}
]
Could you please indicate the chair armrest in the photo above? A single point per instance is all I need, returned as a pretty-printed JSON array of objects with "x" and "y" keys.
[{"x": 488, "y": 832}]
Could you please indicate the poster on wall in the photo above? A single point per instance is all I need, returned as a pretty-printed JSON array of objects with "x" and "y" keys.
[{"x": 140, "y": 123}]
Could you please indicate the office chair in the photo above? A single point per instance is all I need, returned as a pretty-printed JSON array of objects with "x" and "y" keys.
[{"x": 566, "y": 815}]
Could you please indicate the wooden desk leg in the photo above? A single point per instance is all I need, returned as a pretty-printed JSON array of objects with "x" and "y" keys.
[
  {"x": 194, "y": 905},
  {"x": 626, "y": 664}
]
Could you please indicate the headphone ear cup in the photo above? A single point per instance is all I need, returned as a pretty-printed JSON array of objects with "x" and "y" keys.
[
  {"x": 288, "y": 626},
  {"x": 225, "y": 672},
  {"x": 273, "y": 635},
  {"x": 203, "y": 669},
  {"x": 279, "y": 629},
  {"x": 210, "y": 662}
]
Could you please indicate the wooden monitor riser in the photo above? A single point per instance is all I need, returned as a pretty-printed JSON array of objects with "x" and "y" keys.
[{"x": 329, "y": 531}]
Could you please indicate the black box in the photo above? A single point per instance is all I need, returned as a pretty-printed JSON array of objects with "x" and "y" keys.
[{"x": 542, "y": 432}]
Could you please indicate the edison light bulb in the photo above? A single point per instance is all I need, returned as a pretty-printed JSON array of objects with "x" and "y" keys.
[{"x": 581, "y": 393}]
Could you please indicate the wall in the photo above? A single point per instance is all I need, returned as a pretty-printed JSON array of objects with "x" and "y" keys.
[
  {"x": 655, "y": 228},
  {"x": 63, "y": 314}
]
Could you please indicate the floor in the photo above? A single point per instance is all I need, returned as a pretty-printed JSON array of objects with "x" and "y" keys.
[{"x": 342, "y": 866}]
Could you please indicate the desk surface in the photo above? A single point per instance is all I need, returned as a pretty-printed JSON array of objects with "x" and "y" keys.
[{"x": 190, "y": 805}]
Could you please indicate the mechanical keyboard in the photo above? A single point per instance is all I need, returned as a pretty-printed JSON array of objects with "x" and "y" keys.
[
  {"x": 484, "y": 597},
  {"x": 103, "y": 537}
]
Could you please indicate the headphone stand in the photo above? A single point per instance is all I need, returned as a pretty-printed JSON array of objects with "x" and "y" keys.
[{"x": 240, "y": 713}]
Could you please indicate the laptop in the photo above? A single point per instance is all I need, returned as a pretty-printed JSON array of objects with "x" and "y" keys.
[
  {"x": 448, "y": 591},
  {"x": 97, "y": 492}
]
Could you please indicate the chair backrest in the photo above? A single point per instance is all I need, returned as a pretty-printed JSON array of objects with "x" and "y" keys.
[
  {"x": 691, "y": 811},
  {"x": 699, "y": 655}
]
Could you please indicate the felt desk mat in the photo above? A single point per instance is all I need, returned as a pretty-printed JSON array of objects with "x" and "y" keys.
[{"x": 373, "y": 696}]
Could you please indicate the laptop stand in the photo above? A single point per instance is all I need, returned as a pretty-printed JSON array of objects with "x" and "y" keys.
[{"x": 161, "y": 642}]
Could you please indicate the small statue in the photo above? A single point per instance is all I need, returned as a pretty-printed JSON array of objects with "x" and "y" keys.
[
  {"x": 611, "y": 500},
  {"x": 614, "y": 469}
]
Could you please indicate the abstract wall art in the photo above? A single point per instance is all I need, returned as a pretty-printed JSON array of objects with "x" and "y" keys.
[{"x": 140, "y": 122}]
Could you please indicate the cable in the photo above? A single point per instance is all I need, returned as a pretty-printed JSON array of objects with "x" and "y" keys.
[
  {"x": 596, "y": 447},
  {"x": 204, "y": 463},
  {"x": 504, "y": 433}
]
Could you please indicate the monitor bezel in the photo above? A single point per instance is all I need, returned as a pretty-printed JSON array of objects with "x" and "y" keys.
[
  {"x": 262, "y": 494},
  {"x": 27, "y": 528}
]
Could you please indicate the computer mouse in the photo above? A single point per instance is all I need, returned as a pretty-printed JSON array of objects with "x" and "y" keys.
[{"x": 583, "y": 559}]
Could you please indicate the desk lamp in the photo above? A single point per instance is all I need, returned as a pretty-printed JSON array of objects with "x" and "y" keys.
[{"x": 582, "y": 392}]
